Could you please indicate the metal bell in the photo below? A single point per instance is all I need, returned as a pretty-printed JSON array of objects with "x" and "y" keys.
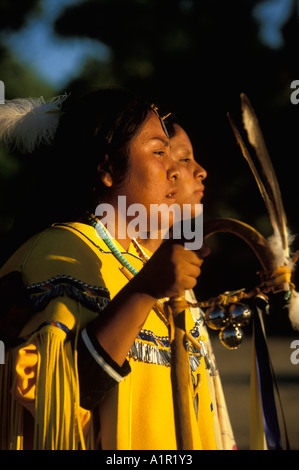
[
  {"x": 216, "y": 318},
  {"x": 239, "y": 314},
  {"x": 231, "y": 337}
]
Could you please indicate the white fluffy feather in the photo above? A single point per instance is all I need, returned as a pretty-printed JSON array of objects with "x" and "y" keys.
[
  {"x": 281, "y": 255},
  {"x": 26, "y": 123}
]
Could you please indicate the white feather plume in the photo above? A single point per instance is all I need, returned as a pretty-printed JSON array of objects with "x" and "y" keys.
[
  {"x": 26, "y": 123},
  {"x": 280, "y": 253}
]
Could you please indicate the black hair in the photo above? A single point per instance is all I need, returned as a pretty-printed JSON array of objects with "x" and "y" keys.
[
  {"x": 62, "y": 180},
  {"x": 101, "y": 124}
]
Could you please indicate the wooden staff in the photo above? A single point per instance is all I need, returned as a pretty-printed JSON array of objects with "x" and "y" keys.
[{"x": 180, "y": 372}]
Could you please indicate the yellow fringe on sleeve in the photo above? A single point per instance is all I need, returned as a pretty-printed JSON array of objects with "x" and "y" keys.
[{"x": 59, "y": 422}]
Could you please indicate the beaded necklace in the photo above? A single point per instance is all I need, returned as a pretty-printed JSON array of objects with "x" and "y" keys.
[{"x": 107, "y": 239}]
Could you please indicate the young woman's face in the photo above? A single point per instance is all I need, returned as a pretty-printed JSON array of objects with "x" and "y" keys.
[
  {"x": 190, "y": 186},
  {"x": 152, "y": 175}
]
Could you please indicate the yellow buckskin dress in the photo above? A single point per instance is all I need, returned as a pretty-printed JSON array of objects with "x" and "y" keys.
[{"x": 78, "y": 396}]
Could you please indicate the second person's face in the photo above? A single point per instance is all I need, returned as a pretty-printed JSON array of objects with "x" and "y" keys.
[{"x": 190, "y": 183}]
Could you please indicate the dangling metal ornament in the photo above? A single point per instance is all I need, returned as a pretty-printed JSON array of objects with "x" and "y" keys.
[
  {"x": 239, "y": 314},
  {"x": 228, "y": 318},
  {"x": 231, "y": 337},
  {"x": 216, "y": 318}
]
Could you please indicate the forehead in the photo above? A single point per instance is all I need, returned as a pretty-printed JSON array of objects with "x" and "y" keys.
[
  {"x": 180, "y": 140},
  {"x": 152, "y": 130},
  {"x": 180, "y": 135}
]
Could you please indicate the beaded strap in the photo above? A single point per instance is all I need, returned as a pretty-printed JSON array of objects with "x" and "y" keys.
[{"x": 95, "y": 298}]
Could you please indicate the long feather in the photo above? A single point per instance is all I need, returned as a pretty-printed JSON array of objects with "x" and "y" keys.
[
  {"x": 26, "y": 123},
  {"x": 255, "y": 173},
  {"x": 256, "y": 139}
]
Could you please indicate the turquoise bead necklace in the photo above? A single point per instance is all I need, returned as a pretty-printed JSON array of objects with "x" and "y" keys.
[{"x": 104, "y": 234}]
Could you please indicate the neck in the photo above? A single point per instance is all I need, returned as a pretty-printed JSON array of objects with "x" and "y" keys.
[
  {"x": 151, "y": 244},
  {"x": 154, "y": 239}
]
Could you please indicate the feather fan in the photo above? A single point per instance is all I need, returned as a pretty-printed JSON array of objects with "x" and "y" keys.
[{"x": 27, "y": 123}]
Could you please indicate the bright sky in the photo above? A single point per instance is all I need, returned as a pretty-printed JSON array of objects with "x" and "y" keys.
[
  {"x": 57, "y": 60},
  {"x": 271, "y": 15}
]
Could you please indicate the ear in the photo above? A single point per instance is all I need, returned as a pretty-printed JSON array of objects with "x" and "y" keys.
[{"x": 104, "y": 173}]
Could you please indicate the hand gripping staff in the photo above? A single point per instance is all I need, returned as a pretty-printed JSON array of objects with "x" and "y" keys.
[{"x": 228, "y": 312}]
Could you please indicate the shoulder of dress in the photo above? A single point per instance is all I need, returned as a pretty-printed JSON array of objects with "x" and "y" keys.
[{"x": 58, "y": 251}]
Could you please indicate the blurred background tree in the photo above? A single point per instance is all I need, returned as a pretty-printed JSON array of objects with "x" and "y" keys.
[
  {"x": 20, "y": 81},
  {"x": 194, "y": 58}
]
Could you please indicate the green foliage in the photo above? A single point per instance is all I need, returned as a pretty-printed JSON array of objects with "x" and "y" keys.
[{"x": 20, "y": 81}]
